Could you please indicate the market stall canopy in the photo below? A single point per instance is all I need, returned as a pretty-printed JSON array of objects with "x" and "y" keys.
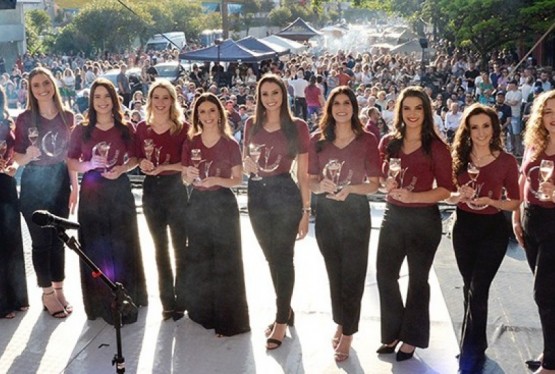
[
  {"x": 227, "y": 51},
  {"x": 262, "y": 46},
  {"x": 293, "y": 46},
  {"x": 299, "y": 30}
]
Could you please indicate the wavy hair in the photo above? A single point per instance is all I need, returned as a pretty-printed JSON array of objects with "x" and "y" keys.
[
  {"x": 176, "y": 113},
  {"x": 327, "y": 123},
  {"x": 286, "y": 119},
  {"x": 117, "y": 113},
  {"x": 32, "y": 102},
  {"x": 462, "y": 143},
  {"x": 197, "y": 127},
  {"x": 428, "y": 133},
  {"x": 536, "y": 136}
]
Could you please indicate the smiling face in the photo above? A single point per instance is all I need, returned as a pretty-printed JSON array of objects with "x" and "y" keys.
[
  {"x": 102, "y": 101},
  {"x": 42, "y": 87},
  {"x": 271, "y": 96},
  {"x": 161, "y": 101},
  {"x": 481, "y": 129},
  {"x": 342, "y": 109},
  {"x": 412, "y": 111},
  {"x": 208, "y": 114}
]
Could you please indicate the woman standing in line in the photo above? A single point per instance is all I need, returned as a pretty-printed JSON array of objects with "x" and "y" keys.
[
  {"x": 158, "y": 142},
  {"x": 418, "y": 165},
  {"x": 103, "y": 150},
  {"x": 482, "y": 170},
  {"x": 278, "y": 207},
  {"x": 13, "y": 284},
  {"x": 343, "y": 219},
  {"x": 215, "y": 283},
  {"x": 41, "y": 141},
  {"x": 534, "y": 227}
]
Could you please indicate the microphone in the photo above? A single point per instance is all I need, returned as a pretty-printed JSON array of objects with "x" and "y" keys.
[{"x": 44, "y": 218}]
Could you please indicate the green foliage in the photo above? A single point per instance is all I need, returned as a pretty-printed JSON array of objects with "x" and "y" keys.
[
  {"x": 280, "y": 16},
  {"x": 37, "y": 26}
]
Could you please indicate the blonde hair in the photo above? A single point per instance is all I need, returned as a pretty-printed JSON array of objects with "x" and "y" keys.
[
  {"x": 176, "y": 113},
  {"x": 536, "y": 136}
]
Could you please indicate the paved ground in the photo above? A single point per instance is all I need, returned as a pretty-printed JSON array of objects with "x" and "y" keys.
[{"x": 35, "y": 342}]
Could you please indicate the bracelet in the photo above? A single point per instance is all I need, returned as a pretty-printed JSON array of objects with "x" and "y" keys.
[{"x": 306, "y": 210}]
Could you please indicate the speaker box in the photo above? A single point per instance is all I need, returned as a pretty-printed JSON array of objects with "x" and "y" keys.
[
  {"x": 7, "y": 4},
  {"x": 423, "y": 43}
]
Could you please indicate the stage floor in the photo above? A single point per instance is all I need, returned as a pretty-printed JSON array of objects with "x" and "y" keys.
[{"x": 34, "y": 342}]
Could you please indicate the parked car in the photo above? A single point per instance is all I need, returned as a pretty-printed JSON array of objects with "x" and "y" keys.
[
  {"x": 134, "y": 75},
  {"x": 172, "y": 71}
]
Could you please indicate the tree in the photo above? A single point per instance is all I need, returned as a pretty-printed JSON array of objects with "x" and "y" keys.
[
  {"x": 280, "y": 16},
  {"x": 37, "y": 24}
]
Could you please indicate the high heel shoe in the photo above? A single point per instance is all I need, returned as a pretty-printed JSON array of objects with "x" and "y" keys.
[
  {"x": 387, "y": 348},
  {"x": 167, "y": 314},
  {"x": 276, "y": 342},
  {"x": 178, "y": 314},
  {"x": 62, "y": 299},
  {"x": 58, "y": 314},
  {"x": 340, "y": 356},
  {"x": 403, "y": 356}
]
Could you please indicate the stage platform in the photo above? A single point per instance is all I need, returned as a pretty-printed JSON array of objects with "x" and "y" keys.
[{"x": 34, "y": 342}]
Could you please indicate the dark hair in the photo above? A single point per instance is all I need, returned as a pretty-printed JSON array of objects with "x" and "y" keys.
[
  {"x": 286, "y": 119},
  {"x": 462, "y": 143},
  {"x": 327, "y": 123},
  {"x": 117, "y": 113},
  {"x": 428, "y": 133}
]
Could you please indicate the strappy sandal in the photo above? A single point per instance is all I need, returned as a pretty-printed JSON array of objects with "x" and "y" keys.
[
  {"x": 68, "y": 307},
  {"x": 58, "y": 314}
]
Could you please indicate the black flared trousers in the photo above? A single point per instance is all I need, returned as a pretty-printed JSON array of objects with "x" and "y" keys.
[
  {"x": 539, "y": 239},
  {"x": 343, "y": 234},
  {"x": 413, "y": 233}
]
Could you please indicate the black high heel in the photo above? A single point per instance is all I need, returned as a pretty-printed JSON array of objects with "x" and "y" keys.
[
  {"x": 387, "y": 348},
  {"x": 290, "y": 323},
  {"x": 167, "y": 314},
  {"x": 403, "y": 356},
  {"x": 277, "y": 343},
  {"x": 178, "y": 314}
]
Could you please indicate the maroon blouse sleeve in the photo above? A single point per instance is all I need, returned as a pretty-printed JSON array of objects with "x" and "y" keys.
[
  {"x": 235, "y": 152},
  {"x": 21, "y": 140},
  {"x": 313, "y": 164},
  {"x": 304, "y": 136},
  {"x": 76, "y": 138},
  {"x": 248, "y": 126},
  {"x": 443, "y": 165},
  {"x": 382, "y": 150},
  {"x": 186, "y": 150},
  {"x": 373, "y": 159}
]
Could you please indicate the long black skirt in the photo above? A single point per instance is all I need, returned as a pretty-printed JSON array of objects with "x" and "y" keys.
[
  {"x": 13, "y": 283},
  {"x": 110, "y": 238},
  {"x": 215, "y": 282}
]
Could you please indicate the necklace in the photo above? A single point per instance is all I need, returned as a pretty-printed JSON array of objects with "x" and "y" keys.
[{"x": 480, "y": 158}]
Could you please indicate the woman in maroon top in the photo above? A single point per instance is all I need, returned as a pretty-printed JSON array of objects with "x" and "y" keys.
[
  {"x": 480, "y": 233},
  {"x": 535, "y": 227},
  {"x": 158, "y": 143},
  {"x": 103, "y": 150},
  {"x": 278, "y": 207},
  {"x": 214, "y": 280},
  {"x": 13, "y": 284},
  {"x": 343, "y": 217},
  {"x": 41, "y": 140},
  {"x": 411, "y": 227}
]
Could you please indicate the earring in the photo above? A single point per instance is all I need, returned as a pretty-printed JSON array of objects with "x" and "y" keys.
[{"x": 469, "y": 142}]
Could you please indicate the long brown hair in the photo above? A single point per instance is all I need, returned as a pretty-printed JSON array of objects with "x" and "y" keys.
[
  {"x": 428, "y": 133},
  {"x": 286, "y": 119},
  {"x": 462, "y": 143},
  {"x": 176, "y": 113},
  {"x": 328, "y": 124},
  {"x": 117, "y": 113},
  {"x": 223, "y": 125},
  {"x": 536, "y": 136},
  {"x": 32, "y": 102}
]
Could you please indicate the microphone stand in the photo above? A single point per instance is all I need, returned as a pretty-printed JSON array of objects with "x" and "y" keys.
[{"x": 122, "y": 301}]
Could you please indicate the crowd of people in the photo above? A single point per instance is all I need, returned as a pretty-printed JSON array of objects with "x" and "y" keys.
[{"x": 337, "y": 126}]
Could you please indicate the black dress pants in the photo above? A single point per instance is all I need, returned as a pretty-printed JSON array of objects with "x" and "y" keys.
[
  {"x": 539, "y": 239},
  {"x": 480, "y": 243},
  {"x": 164, "y": 203},
  {"x": 343, "y": 234},
  {"x": 46, "y": 187},
  {"x": 413, "y": 233},
  {"x": 275, "y": 210}
]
